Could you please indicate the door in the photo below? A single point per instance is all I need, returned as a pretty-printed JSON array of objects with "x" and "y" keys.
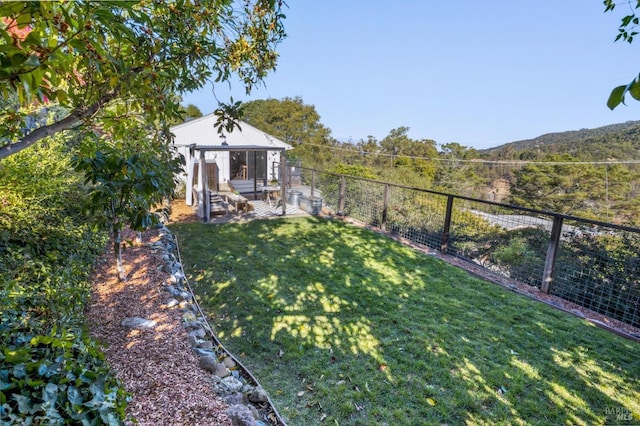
[
  {"x": 247, "y": 165},
  {"x": 238, "y": 165},
  {"x": 257, "y": 165}
]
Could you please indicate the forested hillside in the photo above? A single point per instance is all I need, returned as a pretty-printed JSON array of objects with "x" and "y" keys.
[
  {"x": 614, "y": 142},
  {"x": 590, "y": 173},
  {"x": 605, "y": 185}
]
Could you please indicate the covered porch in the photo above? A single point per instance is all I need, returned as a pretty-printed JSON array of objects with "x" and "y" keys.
[{"x": 268, "y": 196}]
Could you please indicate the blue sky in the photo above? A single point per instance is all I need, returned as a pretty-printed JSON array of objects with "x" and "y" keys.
[{"x": 480, "y": 73}]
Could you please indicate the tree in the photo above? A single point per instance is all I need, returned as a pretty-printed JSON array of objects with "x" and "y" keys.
[
  {"x": 190, "y": 112},
  {"x": 186, "y": 113},
  {"x": 294, "y": 122},
  {"x": 113, "y": 71},
  {"x": 128, "y": 180},
  {"x": 455, "y": 173},
  {"x": 410, "y": 155},
  {"x": 87, "y": 55},
  {"x": 559, "y": 186},
  {"x": 627, "y": 32}
]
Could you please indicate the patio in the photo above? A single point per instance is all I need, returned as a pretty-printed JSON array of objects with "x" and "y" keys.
[
  {"x": 248, "y": 209},
  {"x": 258, "y": 209}
]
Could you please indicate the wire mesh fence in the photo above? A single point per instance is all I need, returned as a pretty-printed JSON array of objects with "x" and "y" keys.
[
  {"x": 504, "y": 241},
  {"x": 417, "y": 217},
  {"x": 598, "y": 268},
  {"x": 590, "y": 263}
]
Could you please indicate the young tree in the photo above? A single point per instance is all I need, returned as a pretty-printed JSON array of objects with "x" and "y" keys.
[
  {"x": 129, "y": 179},
  {"x": 86, "y": 55}
]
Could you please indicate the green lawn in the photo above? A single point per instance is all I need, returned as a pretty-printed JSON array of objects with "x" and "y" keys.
[{"x": 345, "y": 326}]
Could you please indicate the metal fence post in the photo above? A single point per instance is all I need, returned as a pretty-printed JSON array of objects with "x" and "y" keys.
[
  {"x": 383, "y": 225},
  {"x": 444, "y": 246},
  {"x": 343, "y": 184},
  {"x": 552, "y": 251},
  {"x": 313, "y": 181}
]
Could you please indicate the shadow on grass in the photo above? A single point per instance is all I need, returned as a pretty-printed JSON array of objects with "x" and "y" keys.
[{"x": 340, "y": 323}]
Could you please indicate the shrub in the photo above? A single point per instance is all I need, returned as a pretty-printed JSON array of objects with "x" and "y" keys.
[{"x": 51, "y": 372}]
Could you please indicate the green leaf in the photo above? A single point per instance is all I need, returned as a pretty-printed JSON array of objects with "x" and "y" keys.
[
  {"x": 52, "y": 413},
  {"x": 45, "y": 340},
  {"x": 108, "y": 417},
  {"x": 53, "y": 369},
  {"x": 16, "y": 356},
  {"x": 17, "y": 59},
  {"x": 4, "y": 380},
  {"x": 50, "y": 393},
  {"x": 74, "y": 396},
  {"x": 616, "y": 97},
  {"x": 33, "y": 61},
  {"x": 634, "y": 89},
  {"x": 24, "y": 403}
]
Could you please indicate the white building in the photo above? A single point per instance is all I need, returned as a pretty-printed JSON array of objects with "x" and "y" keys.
[{"x": 245, "y": 157}]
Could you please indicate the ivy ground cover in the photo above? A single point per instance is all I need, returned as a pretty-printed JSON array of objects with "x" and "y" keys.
[
  {"x": 51, "y": 371},
  {"x": 344, "y": 326}
]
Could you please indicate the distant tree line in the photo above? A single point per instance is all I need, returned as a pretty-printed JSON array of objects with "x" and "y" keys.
[{"x": 582, "y": 173}]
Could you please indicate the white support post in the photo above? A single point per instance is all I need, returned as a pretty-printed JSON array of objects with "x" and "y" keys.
[
  {"x": 203, "y": 191},
  {"x": 191, "y": 165},
  {"x": 283, "y": 182}
]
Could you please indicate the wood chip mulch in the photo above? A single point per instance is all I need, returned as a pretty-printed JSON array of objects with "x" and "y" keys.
[{"x": 155, "y": 365}]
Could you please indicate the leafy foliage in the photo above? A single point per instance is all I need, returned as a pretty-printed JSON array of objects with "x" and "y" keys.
[
  {"x": 602, "y": 272},
  {"x": 295, "y": 123},
  {"x": 129, "y": 179},
  {"x": 626, "y": 31},
  {"x": 115, "y": 70},
  {"x": 353, "y": 170},
  {"x": 454, "y": 174},
  {"x": 50, "y": 371},
  {"x": 190, "y": 112},
  {"x": 86, "y": 55}
]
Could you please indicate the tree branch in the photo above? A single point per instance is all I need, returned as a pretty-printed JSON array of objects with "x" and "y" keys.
[{"x": 61, "y": 125}]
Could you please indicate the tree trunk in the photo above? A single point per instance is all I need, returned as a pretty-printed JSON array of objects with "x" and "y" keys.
[{"x": 118, "y": 253}]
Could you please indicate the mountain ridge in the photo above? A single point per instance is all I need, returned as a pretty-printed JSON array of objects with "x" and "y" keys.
[{"x": 619, "y": 141}]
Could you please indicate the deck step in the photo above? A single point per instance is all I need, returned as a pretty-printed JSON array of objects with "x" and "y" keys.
[
  {"x": 243, "y": 186},
  {"x": 217, "y": 204}
]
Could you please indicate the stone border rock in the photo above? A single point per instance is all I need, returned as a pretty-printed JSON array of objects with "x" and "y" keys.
[{"x": 249, "y": 403}]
